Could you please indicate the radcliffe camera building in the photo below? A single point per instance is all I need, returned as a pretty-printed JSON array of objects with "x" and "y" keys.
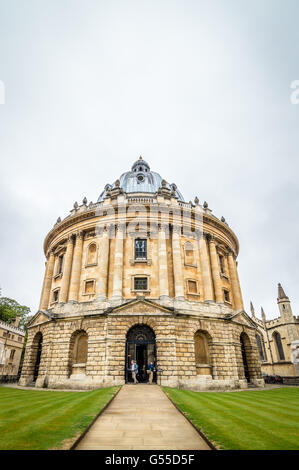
[{"x": 141, "y": 274}]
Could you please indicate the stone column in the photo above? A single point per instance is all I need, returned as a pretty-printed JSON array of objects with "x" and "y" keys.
[
  {"x": 216, "y": 271},
  {"x": 234, "y": 279},
  {"x": 118, "y": 264},
  {"x": 163, "y": 270},
  {"x": 46, "y": 290},
  {"x": 76, "y": 268},
  {"x": 177, "y": 263},
  {"x": 225, "y": 262},
  {"x": 104, "y": 263},
  {"x": 206, "y": 270},
  {"x": 66, "y": 271},
  {"x": 239, "y": 285},
  {"x": 56, "y": 258}
]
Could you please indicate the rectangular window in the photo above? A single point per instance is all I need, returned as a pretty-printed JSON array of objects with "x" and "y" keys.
[
  {"x": 55, "y": 295},
  {"x": 226, "y": 296},
  {"x": 141, "y": 249},
  {"x": 221, "y": 264},
  {"x": 60, "y": 262},
  {"x": 140, "y": 283},
  {"x": 89, "y": 287},
  {"x": 192, "y": 287},
  {"x": 12, "y": 353}
]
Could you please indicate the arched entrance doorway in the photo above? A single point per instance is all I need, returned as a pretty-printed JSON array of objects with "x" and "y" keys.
[
  {"x": 38, "y": 345},
  {"x": 244, "y": 345},
  {"x": 141, "y": 347}
]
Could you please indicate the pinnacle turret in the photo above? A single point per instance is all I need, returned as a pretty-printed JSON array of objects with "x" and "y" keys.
[
  {"x": 281, "y": 293},
  {"x": 263, "y": 315},
  {"x": 252, "y": 310}
]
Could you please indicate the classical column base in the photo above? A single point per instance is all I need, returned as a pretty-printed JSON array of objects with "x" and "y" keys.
[
  {"x": 101, "y": 298},
  {"x": 116, "y": 299},
  {"x": 164, "y": 298}
]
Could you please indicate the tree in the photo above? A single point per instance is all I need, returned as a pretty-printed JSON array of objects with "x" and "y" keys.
[{"x": 10, "y": 309}]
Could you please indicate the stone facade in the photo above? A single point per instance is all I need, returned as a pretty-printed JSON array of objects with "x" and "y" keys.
[
  {"x": 279, "y": 339},
  {"x": 141, "y": 257},
  {"x": 11, "y": 346}
]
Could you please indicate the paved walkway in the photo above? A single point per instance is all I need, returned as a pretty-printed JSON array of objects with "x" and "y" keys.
[{"x": 142, "y": 417}]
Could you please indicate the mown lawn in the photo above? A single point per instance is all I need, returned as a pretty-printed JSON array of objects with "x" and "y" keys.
[
  {"x": 34, "y": 420},
  {"x": 249, "y": 420}
]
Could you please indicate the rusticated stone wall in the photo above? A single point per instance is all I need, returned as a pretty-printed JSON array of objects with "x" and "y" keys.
[{"x": 175, "y": 349}]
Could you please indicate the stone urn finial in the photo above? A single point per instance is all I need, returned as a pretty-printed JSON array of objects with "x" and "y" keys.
[
  {"x": 205, "y": 205},
  {"x": 76, "y": 205}
]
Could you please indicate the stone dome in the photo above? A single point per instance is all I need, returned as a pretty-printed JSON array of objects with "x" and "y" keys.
[{"x": 141, "y": 180}]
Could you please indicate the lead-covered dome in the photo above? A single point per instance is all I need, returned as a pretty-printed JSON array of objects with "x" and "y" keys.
[{"x": 141, "y": 180}]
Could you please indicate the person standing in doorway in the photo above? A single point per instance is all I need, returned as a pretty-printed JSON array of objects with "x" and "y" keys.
[
  {"x": 134, "y": 370},
  {"x": 150, "y": 371}
]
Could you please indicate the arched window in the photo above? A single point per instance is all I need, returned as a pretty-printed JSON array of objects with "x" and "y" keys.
[
  {"x": 260, "y": 347},
  {"x": 279, "y": 347},
  {"x": 189, "y": 253},
  {"x": 91, "y": 254}
]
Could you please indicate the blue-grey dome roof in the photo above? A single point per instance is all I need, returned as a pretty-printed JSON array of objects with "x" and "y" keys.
[{"x": 141, "y": 180}]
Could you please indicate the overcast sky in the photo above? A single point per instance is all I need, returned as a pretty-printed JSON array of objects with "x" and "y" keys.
[{"x": 201, "y": 89}]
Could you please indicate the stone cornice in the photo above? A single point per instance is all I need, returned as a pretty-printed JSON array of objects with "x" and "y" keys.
[{"x": 88, "y": 214}]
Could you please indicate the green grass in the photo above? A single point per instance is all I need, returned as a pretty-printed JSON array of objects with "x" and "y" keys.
[
  {"x": 261, "y": 420},
  {"x": 45, "y": 420}
]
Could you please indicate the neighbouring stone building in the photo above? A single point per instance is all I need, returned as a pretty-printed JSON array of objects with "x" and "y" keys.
[
  {"x": 11, "y": 347},
  {"x": 278, "y": 341},
  {"x": 141, "y": 274}
]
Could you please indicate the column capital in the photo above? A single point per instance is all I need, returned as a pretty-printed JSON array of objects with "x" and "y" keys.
[
  {"x": 163, "y": 227},
  {"x": 232, "y": 254},
  {"x": 176, "y": 229},
  {"x": 198, "y": 234},
  {"x": 121, "y": 227},
  {"x": 70, "y": 238},
  {"x": 212, "y": 239},
  {"x": 49, "y": 253},
  {"x": 79, "y": 234},
  {"x": 111, "y": 230}
]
